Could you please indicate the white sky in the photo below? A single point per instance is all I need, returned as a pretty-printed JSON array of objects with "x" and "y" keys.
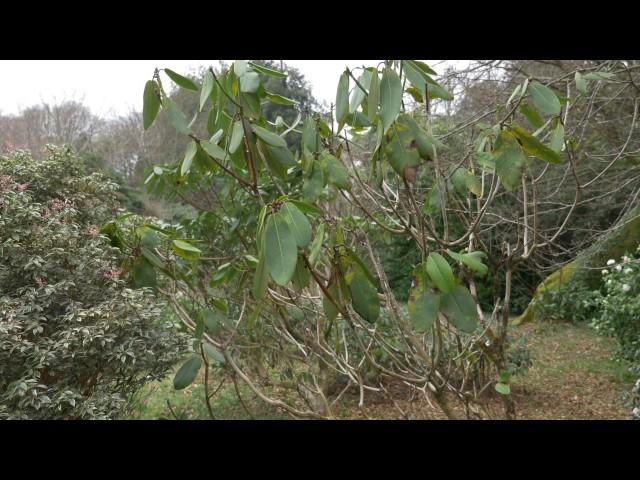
[{"x": 113, "y": 87}]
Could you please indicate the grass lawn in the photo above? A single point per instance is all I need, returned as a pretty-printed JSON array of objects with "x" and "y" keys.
[{"x": 572, "y": 377}]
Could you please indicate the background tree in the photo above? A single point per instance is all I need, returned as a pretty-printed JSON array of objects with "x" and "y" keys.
[
  {"x": 75, "y": 342},
  {"x": 462, "y": 193}
]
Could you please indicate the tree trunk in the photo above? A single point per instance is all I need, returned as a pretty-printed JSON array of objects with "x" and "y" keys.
[{"x": 586, "y": 267}]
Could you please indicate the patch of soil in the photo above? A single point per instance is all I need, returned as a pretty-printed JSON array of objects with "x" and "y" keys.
[{"x": 572, "y": 376}]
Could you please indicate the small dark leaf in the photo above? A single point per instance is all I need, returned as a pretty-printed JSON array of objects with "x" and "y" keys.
[
  {"x": 144, "y": 275},
  {"x": 365, "y": 299},
  {"x": 187, "y": 372}
]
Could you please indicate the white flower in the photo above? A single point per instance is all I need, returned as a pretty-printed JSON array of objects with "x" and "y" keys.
[
  {"x": 609, "y": 282},
  {"x": 605, "y": 271},
  {"x": 618, "y": 268},
  {"x": 626, "y": 287},
  {"x": 626, "y": 259},
  {"x": 611, "y": 261},
  {"x": 627, "y": 271},
  {"x": 636, "y": 411}
]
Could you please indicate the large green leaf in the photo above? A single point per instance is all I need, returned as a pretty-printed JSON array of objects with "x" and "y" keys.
[
  {"x": 471, "y": 260},
  {"x": 144, "y": 275},
  {"x": 316, "y": 246},
  {"x": 544, "y": 99},
  {"x": 310, "y": 137},
  {"x": 251, "y": 104},
  {"x": 190, "y": 152},
  {"x": 509, "y": 161},
  {"x": 474, "y": 185},
  {"x": 295, "y": 313},
  {"x": 281, "y": 155},
  {"x": 300, "y": 277},
  {"x": 176, "y": 117},
  {"x": 459, "y": 180},
  {"x": 557, "y": 138},
  {"x": 463, "y": 181},
  {"x": 307, "y": 208},
  {"x": 423, "y": 309},
  {"x": 433, "y": 206},
  {"x": 267, "y": 71},
  {"x": 364, "y": 297},
  {"x": 358, "y": 95},
  {"x": 374, "y": 96},
  {"x": 360, "y": 265},
  {"x": 358, "y": 121},
  {"x": 240, "y": 67},
  {"x": 420, "y": 65},
  {"x": 486, "y": 161},
  {"x": 390, "y": 97},
  {"x": 237, "y": 134},
  {"x": 418, "y": 73},
  {"x": 401, "y": 151},
  {"x": 214, "y": 150},
  {"x": 213, "y": 353},
  {"x": 597, "y": 76},
  {"x": 342, "y": 100},
  {"x": 502, "y": 388},
  {"x": 531, "y": 115},
  {"x": 299, "y": 224},
  {"x": 207, "y": 87},
  {"x": 281, "y": 251},
  {"x": 330, "y": 310},
  {"x": 150, "y": 104},
  {"x": 337, "y": 174},
  {"x": 280, "y": 100},
  {"x": 514, "y": 94},
  {"x": 314, "y": 184},
  {"x": 275, "y": 167},
  {"x": 186, "y": 250},
  {"x": 417, "y": 78},
  {"x": 460, "y": 309},
  {"x": 249, "y": 82},
  {"x": 183, "y": 82},
  {"x": 211, "y": 322},
  {"x": 149, "y": 238},
  {"x": 425, "y": 143},
  {"x": 435, "y": 90},
  {"x": 415, "y": 93},
  {"x": 534, "y": 147},
  {"x": 269, "y": 137},
  {"x": 187, "y": 372},
  {"x": 581, "y": 84},
  {"x": 261, "y": 277},
  {"x": 278, "y": 159},
  {"x": 440, "y": 272}
]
